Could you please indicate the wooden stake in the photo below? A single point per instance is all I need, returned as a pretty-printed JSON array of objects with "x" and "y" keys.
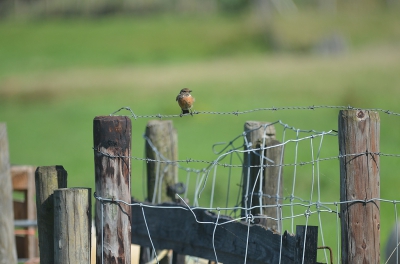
[
  {"x": 255, "y": 136},
  {"x": 359, "y": 182},
  {"x": 47, "y": 180},
  {"x": 162, "y": 145},
  {"x": 112, "y": 142},
  {"x": 72, "y": 225},
  {"x": 8, "y": 253},
  {"x": 164, "y": 139},
  {"x": 273, "y": 184}
]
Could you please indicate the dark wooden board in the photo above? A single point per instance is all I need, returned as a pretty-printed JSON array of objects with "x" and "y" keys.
[{"x": 177, "y": 229}]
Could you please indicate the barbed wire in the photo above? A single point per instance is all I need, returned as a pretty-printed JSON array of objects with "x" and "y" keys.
[
  {"x": 303, "y": 203},
  {"x": 217, "y": 162},
  {"x": 236, "y": 113},
  {"x": 227, "y": 165}
]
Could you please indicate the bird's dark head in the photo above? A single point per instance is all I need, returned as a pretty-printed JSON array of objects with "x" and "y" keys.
[{"x": 186, "y": 90}]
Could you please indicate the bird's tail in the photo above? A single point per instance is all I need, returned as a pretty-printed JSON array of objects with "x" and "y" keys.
[{"x": 185, "y": 111}]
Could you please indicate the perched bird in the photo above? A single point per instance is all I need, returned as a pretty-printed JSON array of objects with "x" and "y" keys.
[{"x": 185, "y": 101}]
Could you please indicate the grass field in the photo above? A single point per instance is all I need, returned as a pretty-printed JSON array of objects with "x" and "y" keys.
[{"x": 57, "y": 75}]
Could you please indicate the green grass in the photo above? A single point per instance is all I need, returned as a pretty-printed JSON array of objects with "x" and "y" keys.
[
  {"x": 361, "y": 25},
  {"x": 56, "y": 76},
  {"x": 120, "y": 41}
]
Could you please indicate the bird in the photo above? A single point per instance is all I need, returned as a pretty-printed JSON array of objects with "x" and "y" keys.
[{"x": 185, "y": 101}]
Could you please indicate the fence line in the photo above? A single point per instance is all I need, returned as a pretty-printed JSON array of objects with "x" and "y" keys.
[
  {"x": 316, "y": 204},
  {"x": 300, "y": 208},
  {"x": 215, "y": 233},
  {"x": 250, "y": 219},
  {"x": 236, "y": 113},
  {"x": 225, "y": 165},
  {"x": 236, "y": 149}
]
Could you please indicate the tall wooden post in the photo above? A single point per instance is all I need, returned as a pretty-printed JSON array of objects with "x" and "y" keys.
[
  {"x": 112, "y": 149},
  {"x": 162, "y": 145},
  {"x": 359, "y": 181},
  {"x": 255, "y": 136},
  {"x": 164, "y": 139},
  {"x": 47, "y": 180},
  {"x": 8, "y": 254},
  {"x": 72, "y": 225},
  {"x": 273, "y": 183}
]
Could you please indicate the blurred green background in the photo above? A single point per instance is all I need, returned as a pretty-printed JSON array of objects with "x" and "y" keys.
[{"x": 64, "y": 62}]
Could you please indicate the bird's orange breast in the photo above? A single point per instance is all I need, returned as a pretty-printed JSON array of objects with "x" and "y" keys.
[{"x": 185, "y": 102}]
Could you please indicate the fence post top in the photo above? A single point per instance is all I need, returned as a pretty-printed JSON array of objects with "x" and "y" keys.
[{"x": 359, "y": 114}]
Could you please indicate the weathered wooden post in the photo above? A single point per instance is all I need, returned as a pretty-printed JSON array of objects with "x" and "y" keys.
[
  {"x": 161, "y": 144},
  {"x": 112, "y": 149},
  {"x": 273, "y": 183},
  {"x": 8, "y": 253},
  {"x": 359, "y": 132},
  {"x": 72, "y": 225},
  {"x": 271, "y": 177},
  {"x": 254, "y": 134},
  {"x": 161, "y": 176},
  {"x": 47, "y": 180}
]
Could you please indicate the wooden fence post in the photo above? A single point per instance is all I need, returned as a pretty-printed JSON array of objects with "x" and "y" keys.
[
  {"x": 273, "y": 183},
  {"x": 112, "y": 150},
  {"x": 359, "y": 181},
  {"x": 47, "y": 180},
  {"x": 8, "y": 253},
  {"x": 162, "y": 145},
  {"x": 163, "y": 137},
  {"x": 72, "y": 225},
  {"x": 255, "y": 134}
]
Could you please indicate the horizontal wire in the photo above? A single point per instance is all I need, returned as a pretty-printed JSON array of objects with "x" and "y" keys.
[
  {"x": 186, "y": 207},
  {"x": 176, "y": 162},
  {"x": 236, "y": 113}
]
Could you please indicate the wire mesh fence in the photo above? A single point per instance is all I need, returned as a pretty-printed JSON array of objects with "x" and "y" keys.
[{"x": 307, "y": 184}]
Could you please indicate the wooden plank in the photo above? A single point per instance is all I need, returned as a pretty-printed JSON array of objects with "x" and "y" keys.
[
  {"x": 72, "y": 225},
  {"x": 8, "y": 253},
  {"x": 19, "y": 179},
  {"x": 21, "y": 245},
  {"x": 359, "y": 180},
  {"x": 47, "y": 179},
  {"x": 23, "y": 180},
  {"x": 20, "y": 210},
  {"x": 177, "y": 229},
  {"x": 307, "y": 238},
  {"x": 112, "y": 142}
]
